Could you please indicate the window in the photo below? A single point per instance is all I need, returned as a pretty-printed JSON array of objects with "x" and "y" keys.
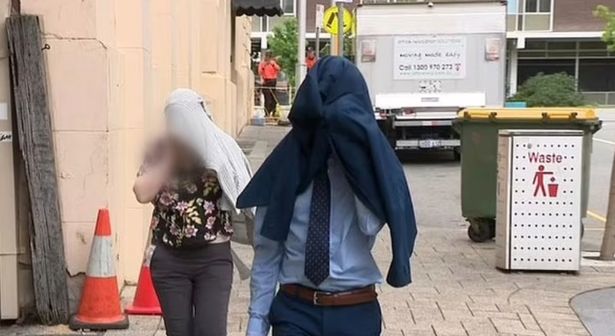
[
  {"x": 597, "y": 75},
  {"x": 275, "y": 21},
  {"x": 531, "y": 6},
  {"x": 529, "y": 15},
  {"x": 512, "y": 11},
  {"x": 530, "y": 68},
  {"x": 513, "y": 6},
  {"x": 562, "y": 45},
  {"x": 535, "y": 45},
  {"x": 536, "y": 15},
  {"x": 592, "y": 45},
  {"x": 288, "y": 6},
  {"x": 537, "y": 6},
  {"x": 544, "y": 6}
]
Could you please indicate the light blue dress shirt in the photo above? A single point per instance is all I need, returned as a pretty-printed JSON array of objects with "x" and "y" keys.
[{"x": 353, "y": 233}]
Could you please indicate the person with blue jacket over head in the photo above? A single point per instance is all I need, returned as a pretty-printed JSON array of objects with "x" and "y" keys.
[{"x": 322, "y": 196}]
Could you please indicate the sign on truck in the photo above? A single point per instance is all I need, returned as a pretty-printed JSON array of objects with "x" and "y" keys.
[
  {"x": 429, "y": 57},
  {"x": 420, "y": 74}
]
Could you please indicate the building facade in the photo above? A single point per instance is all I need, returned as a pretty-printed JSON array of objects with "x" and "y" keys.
[
  {"x": 552, "y": 36},
  {"x": 262, "y": 28},
  {"x": 545, "y": 36},
  {"x": 110, "y": 67}
]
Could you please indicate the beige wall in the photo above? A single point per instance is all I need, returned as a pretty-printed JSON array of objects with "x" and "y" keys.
[
  {"x": 8, "y": 228},
  {"x": 111, "y": 66}
]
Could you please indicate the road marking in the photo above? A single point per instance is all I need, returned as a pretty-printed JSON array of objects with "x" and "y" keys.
[
  {"x": 605, "y": 141},
  {"x": 596, "y": 216}
]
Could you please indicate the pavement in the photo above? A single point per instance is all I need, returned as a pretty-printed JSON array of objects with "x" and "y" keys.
[
  {"x": 601, "y": 163},
  {"x": 456, "y": 288},
  {"x": 597, "y": 310}
]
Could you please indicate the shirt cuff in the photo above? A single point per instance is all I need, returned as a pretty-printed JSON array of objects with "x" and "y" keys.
[{"x": 257, "y": 326}]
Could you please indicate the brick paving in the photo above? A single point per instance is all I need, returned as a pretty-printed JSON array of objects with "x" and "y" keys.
[{"x": 456, "y": 289}]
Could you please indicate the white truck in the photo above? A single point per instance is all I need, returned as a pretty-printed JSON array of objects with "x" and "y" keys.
[{"x": 425, "y": 61}]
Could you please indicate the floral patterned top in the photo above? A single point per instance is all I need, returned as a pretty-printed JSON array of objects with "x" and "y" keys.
[{"x": 186, "y": 210}]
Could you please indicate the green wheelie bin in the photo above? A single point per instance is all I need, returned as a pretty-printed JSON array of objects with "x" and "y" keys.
[{"x": 478, "y": 129}]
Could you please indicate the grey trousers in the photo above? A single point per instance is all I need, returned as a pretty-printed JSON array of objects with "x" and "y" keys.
[{"x": 194, "y": 288}]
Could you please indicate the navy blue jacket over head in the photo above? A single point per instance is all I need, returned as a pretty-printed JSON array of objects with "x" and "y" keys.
[{"x": 333, "y": 112}]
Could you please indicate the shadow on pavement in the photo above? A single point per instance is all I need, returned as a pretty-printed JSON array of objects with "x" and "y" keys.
[{"x": 414, "y": 157}]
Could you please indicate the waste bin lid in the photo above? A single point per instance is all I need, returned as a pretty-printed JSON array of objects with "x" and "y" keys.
[{"x": 537, "y": 113}]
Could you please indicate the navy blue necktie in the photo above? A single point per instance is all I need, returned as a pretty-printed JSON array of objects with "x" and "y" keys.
[{"x": 317, "y": 244}]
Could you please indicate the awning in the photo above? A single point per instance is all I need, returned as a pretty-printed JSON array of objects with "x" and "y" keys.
[{"x": 257, "y": 7}]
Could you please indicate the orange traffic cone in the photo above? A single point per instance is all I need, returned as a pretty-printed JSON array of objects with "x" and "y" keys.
[
  {"x": 145, "y": 301},
  {"x": 100, "y": 300}
]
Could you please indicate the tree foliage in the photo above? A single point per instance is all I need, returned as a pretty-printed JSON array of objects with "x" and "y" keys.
[
  {"x": 556, "y": 90},
  {"x": 608, "y": 16},
  {"x": 284, "y": 44}
]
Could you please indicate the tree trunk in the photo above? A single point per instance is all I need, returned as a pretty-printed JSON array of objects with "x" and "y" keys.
[{"x": 607, "y": 252}]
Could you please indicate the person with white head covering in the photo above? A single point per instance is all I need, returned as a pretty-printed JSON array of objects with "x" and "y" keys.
[{"x": 193, "y": 176}]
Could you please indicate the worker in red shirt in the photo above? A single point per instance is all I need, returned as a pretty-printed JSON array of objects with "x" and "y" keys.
[
  {"x": 269, "y": 71},
  {"x": 310, "y": 58}
]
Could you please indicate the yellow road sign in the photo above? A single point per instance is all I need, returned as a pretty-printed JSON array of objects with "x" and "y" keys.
[{"x": 330, "y": 22}]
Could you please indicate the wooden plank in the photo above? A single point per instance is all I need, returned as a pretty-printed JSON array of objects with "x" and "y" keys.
[{"x": 35, "y": 138}]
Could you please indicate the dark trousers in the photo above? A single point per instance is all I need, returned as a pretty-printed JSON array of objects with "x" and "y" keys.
[
  {"x": 290, "y": 316},
  {"x": 194, "y": 288},
  {"x": 269, "y": 92}
]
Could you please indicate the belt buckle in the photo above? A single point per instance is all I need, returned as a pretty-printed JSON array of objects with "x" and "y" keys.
[
  {"x": 316, "y": 295},
  {"x": 315, "y": 299}
]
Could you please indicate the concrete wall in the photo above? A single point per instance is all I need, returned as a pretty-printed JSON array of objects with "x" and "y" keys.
[{"x": 111, "y": 65}]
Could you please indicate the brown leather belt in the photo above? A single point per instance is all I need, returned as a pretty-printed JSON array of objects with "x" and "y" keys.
[{"x": 318, "y": 298}]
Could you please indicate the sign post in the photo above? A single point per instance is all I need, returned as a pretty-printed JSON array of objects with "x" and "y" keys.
[
  {"x": 340, "y": 28},
  {"x": 320, "y": 13},
  {"x": 337, "y": 21},
  {"x": 301, "y": 45}
]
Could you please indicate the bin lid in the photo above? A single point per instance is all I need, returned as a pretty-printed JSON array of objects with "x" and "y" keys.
[{"x": 534, "y": 113}]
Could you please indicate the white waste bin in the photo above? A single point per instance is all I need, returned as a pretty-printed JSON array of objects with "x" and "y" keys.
[{"x": 538, "y": 215}]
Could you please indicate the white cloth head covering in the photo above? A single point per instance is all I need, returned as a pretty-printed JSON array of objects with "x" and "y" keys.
[{"x": 190, "y": 120}]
